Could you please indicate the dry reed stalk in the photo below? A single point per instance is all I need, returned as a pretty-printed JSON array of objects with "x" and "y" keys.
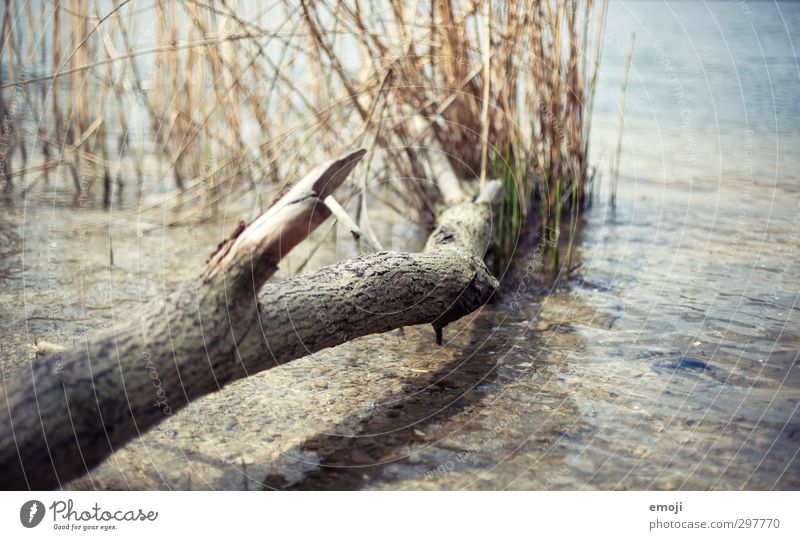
[
  {"x": 5, "y": 168},
  {"x": 502, "y": 88},
  {"x": 618, "y": 155},
  {"x": 487, "y": 78}
]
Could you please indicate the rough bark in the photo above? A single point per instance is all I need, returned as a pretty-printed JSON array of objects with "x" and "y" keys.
[
  {"x": 384, "y": 290},
  {"x": 72, "y": 409}
]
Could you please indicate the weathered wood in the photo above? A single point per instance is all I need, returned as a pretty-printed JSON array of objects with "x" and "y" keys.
[
  {"x": 258, "y": 248},
  {"x": 72, "y": 409}
]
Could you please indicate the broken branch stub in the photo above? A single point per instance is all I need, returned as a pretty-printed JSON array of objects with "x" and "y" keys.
[{"x": 258, "y": 248}]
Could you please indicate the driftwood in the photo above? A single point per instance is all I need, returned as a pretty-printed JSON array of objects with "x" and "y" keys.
[{"x": 73, "y": 408}]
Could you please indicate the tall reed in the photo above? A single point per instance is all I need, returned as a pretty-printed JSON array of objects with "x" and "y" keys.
[{"x": 221, "y": 99}]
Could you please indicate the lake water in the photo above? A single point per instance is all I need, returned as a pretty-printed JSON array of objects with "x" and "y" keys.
[{"x": 667, "y": 359}]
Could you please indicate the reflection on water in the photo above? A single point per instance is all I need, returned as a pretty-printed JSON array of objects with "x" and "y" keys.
[
  {"x": 688, "y": 330},
  {"x": 668, "y": 359}
]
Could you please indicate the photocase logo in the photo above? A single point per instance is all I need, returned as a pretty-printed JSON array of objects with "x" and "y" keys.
[{"x": 31, "y": 513}]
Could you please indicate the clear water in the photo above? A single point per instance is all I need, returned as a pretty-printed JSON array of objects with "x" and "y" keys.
[{"x": 667, "y": 359}]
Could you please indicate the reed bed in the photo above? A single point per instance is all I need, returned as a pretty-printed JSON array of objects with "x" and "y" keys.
[{"x": 182, "y": 106}]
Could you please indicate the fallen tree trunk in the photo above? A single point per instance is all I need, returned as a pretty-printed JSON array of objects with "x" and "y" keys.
[{"x": 72, "y": 409}]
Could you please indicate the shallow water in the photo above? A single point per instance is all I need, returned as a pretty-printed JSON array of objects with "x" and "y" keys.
[{"x": 666, "y": 359}]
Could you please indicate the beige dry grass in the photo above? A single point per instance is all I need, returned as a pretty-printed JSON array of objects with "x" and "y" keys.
[{"x": 187, "y": 103}]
